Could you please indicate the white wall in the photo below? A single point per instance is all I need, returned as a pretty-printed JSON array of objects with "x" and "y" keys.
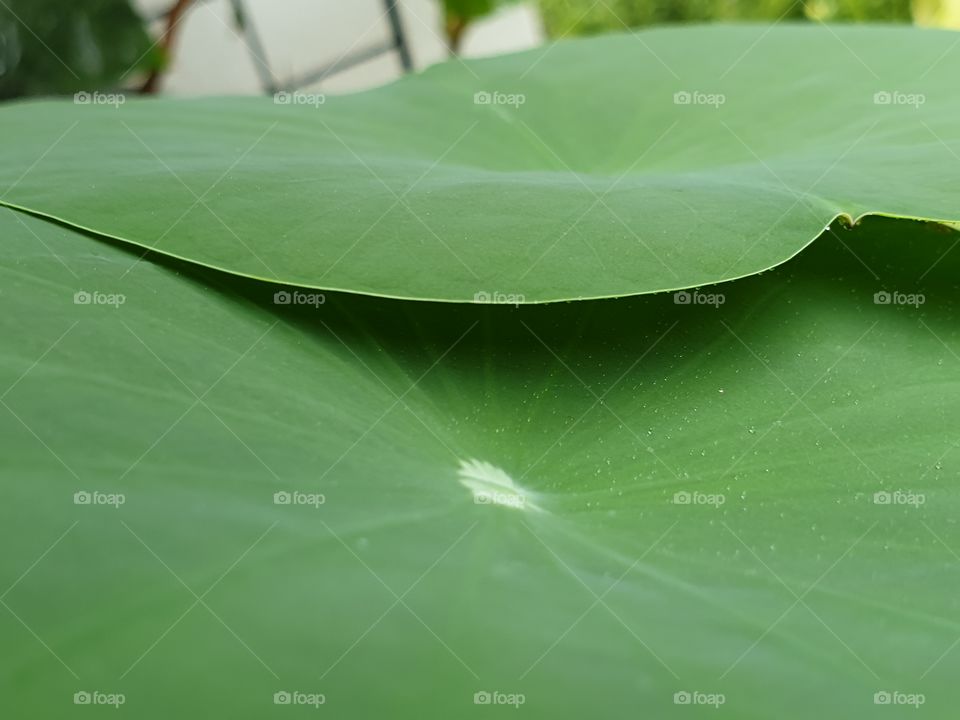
[{"x": 212, "y": 57}]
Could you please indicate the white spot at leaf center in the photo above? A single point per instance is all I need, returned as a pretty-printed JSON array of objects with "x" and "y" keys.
[{"x": 492, "y": 486}]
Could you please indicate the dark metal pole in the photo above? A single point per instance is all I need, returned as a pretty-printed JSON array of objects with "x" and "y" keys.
[
  {"x": 399, "y": 38},
  {"x": 255, "y": 47}
]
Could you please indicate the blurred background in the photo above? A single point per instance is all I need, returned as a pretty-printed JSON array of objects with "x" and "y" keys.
[{"x": 216, "y": 47}]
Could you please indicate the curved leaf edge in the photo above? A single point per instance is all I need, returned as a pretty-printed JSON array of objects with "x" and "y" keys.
[{"x": 843, "y": 220}]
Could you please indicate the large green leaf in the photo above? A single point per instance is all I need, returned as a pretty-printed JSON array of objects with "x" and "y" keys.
[
  {"x": 795, "y": 401},
  {"x": 601, "y": 182}
]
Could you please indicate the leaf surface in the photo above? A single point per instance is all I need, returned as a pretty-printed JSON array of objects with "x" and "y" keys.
[{"x": 783, "y": 584}]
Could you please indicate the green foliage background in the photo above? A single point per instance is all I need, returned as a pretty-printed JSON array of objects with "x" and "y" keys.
[
  {"x": 583, "y": 17},
  {"x": 50, "y": 47}
]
